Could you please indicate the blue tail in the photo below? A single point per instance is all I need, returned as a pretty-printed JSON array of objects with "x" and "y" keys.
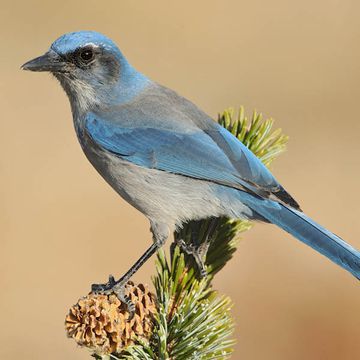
[{"x": 303, "y": 228}]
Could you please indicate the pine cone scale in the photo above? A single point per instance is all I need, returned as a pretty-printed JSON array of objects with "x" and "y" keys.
[{"x": 101, "y": 322}]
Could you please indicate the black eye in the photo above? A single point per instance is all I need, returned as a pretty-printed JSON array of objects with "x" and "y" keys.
[{"x": 86, "y": 55}]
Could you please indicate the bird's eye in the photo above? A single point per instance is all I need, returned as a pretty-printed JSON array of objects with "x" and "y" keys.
[{"x": 86, "y": 55}]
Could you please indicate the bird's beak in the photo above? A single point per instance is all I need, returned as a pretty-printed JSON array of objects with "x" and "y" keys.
[{"x": 50, "y": 61}]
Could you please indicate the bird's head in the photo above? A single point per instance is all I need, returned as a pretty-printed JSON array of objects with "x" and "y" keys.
[{"x": 90, "y": 67}]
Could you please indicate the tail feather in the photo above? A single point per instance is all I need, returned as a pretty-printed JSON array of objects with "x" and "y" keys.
[{"x": 306, "y": 230}]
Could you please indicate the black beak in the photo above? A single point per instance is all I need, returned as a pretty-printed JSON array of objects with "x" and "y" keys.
[{"x": 50, "y": 61}]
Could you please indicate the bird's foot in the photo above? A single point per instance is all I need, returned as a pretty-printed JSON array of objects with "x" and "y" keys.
[
  {"x": 117, "y": 288},
  {"x": 198, "y": 253}
]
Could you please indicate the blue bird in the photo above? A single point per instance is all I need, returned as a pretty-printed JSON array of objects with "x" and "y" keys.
[{"x": 165, "y": 156}]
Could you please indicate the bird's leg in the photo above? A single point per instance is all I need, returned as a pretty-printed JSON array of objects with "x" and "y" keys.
[
  {"x": 198, "y": 249},
  {"x": 118, "y": 287}
]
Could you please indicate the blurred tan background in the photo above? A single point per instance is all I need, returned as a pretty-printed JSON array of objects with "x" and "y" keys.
[{"x": 63, "y": 228}]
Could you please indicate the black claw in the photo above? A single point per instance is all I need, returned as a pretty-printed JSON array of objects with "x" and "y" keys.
[
  {"x": 198, "y": 252},
  {"x": 119, "y": 290},
  {"x": 111, "y": 281},
  {"x": 99, "y": 288},
  {"x": 104, "y": 288},
  {"x": 203, "y": 273},
  {"x": 130, "y": 306}
]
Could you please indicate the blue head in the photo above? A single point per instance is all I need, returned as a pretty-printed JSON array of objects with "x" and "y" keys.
[{"x": 91, "y": 69}]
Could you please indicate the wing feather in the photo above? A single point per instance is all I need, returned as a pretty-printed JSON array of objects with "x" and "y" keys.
[{"x": 213, "y": 155}]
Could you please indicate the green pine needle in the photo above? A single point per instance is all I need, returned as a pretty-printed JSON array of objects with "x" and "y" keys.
[
  {"x": 255, "y": 133},
  {"x": 193, "y": 321}
]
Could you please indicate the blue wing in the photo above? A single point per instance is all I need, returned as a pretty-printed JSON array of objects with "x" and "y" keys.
[{"x": 212, "y": 154}]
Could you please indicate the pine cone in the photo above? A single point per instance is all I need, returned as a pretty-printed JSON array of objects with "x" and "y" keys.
[{"x": 101, "y": 322}]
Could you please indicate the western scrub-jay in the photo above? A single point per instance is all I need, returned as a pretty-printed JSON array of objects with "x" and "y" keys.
[{"x": 165, "y": 156}]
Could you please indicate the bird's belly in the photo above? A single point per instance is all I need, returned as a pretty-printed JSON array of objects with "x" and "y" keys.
[{"x": 165, "y": 197}]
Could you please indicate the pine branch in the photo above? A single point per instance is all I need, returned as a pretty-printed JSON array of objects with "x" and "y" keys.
[{"x": 191, "y": 320}]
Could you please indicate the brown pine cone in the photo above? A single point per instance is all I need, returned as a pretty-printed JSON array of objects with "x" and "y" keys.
[{"x": 100, "y": 322}]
